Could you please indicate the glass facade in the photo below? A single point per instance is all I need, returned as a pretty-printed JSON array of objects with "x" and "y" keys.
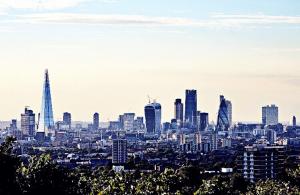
[
  {"x": 46, "y": 116},
  {"x": 153, "y": 118},
  {"x": 223, "y": 122},
  {"x": 190, "y": 108}
]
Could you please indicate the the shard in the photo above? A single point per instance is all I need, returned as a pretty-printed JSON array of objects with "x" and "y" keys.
[{"x": 46, "y": 121}]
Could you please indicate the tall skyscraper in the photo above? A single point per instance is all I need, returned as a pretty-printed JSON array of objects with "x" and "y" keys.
[
  {"x": 223, "y": 122},
  {"x": 96, "y": 121},
  {"x": 128, "y": 121},
  {"x": 204, "y": 121},
  {"x": 270, "y": 115},
  {"x": 190, "y": 108},
  {"x": 67, "y": 119},
  {"x": 294, "y": 121},
  {"x": 229, "y": 110},
  {"x": 28, "y": 123},
  {"x": 119, "y": 151},
  {"x": 153, "y": 118},
  {"x": 178, "y": 112},
  {"x": 46, "y": 121}
]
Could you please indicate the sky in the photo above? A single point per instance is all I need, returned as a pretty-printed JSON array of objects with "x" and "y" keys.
[{"x": 108, "y": 56}]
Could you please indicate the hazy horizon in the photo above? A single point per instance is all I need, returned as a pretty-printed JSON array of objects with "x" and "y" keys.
[{"x": 107, "y": 56}]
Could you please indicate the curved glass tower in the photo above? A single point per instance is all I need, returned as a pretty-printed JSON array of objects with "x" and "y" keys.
[
  {"x": 46, "y": 121},
  {"x": 223, "y": 123}
]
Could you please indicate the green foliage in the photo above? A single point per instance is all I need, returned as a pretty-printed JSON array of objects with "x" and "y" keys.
[
  {"x": 8, "y": 168},
  {"x": 273, "y": 187}
]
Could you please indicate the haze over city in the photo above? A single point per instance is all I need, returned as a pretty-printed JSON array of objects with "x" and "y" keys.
[{"x": 108, "y": 56}]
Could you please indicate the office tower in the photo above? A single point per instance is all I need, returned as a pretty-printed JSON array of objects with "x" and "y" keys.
[
  {"x": 294, "y": 121},
  {"x": 198, "y": 115},
  {"x": 190, "y": 108},
  {"x": 96, "y": 121},
  {"x": 223, "y": 122},
  {"x": 138, "y": 123},
  {"x": 270, "y": 115},
  {"x": 67, "y": 119},
  {"x": 28, "y": 123},
  {"x": 178, "y": 115},
  {"x": 121, "y": 121},
  {"x": 229, "y": 110},
  {"x": 119, "y": 151},
  {"x": 128, "y": 121},
  {"x": 261, "y": 162},
  {"x": 271, "y": 136},
  {"x": 153, "y": 118},
  {"x": 204, "y": 121},
  {"x": 46, "y": 121},
  {"x": 13, "y": 125}
]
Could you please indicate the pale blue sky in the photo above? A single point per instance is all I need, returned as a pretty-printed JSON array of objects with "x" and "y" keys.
[{"x": 108, "y": 55}]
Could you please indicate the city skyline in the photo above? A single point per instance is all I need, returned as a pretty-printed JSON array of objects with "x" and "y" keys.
[
  {"x": 108, "y": 56},
  {"x": 61, "y": 115}
]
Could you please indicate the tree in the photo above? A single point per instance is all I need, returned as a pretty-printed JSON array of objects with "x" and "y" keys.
[
  {"x": 42, "y": 176},
  {"x": 9, "y": 163}
]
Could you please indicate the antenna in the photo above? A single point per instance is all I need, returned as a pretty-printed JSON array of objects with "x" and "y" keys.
[{"x": 149, "y": 99}]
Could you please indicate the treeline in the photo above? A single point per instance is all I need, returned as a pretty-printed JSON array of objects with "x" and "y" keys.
[{"x": 41, "y": 176}]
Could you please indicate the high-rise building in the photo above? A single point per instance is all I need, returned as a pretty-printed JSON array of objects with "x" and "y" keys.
[
  {"x": 261, "y": 162},
  {"x": 294, "y": 121},
  {"x": 119, "y": 151},
  {"x": 121, "y": 121},
  {"x": 270, "y": 115},
  {"x": 67, "y": 119},
  {"x": 153, "y": 118},
  {"x": 28, "y": 123},
  {"x": 128, "y": 121},
  {"x": 178, "y": 112},
  {"x": 138, "y": 123},
  {"x": 46, "y": 121},
  {"x": 190, "y": 108},
  {"x": 96, "y": 121},
  {"x": 229, "y": 110},
  {"x": 204, "y": 121},
  {"x": 223, "y": 122}
]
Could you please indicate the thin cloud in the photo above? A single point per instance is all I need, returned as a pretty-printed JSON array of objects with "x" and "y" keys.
[
  {"x": 257, "y": 19},
  {"x": 45, "y": 4},
  {"x": 214, "y": 21}
]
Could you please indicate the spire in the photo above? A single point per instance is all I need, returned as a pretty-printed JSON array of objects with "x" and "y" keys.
[{"x": 46, "y": 116}]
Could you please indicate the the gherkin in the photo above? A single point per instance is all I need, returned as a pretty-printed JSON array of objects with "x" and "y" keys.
[{"x": 46, "y": 121}]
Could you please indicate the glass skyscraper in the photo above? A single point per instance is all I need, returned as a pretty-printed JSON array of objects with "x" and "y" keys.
[
  {"x": 46, "y": 121},
  {"x": 190, "y": 108},
  {"x": 153, "y": 118},
  {"x": 224, "y": 115},
  {"x": 178, "y": 112}
]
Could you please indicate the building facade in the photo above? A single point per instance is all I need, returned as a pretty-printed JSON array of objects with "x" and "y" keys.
[
  {"x": 28, "y": 123},
  {"x": 67, "y": 119},
  {"x": 96, "y": 121},
  {"x": 128, "y": 121},
  {"x": 262, "y": 161},
  {"x": 223, "y": 121},
  {"x": 190, "y": 108},
  {"x": 178, "y": 112},
  {"x": 46, "y": 121},
  {"x": 270, "y": 115},
  {"x": 153, "y": 118},
  {"x": 119, "y": 151}
]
